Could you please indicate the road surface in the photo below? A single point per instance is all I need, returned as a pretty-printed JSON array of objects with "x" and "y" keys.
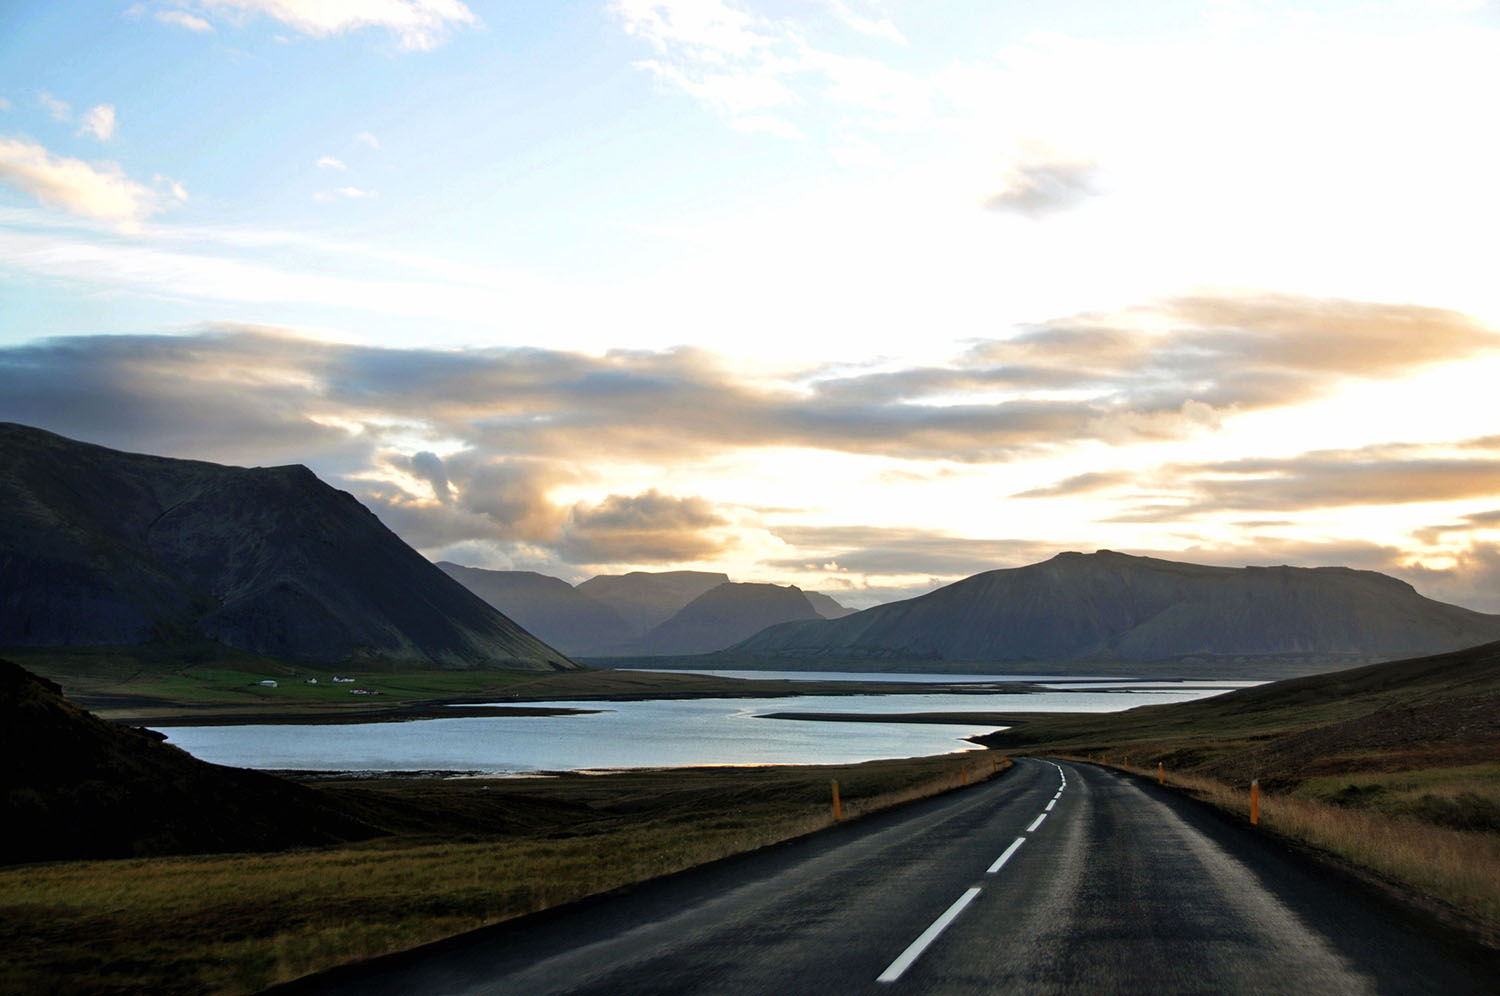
[{"x": 1054, "y": 878}]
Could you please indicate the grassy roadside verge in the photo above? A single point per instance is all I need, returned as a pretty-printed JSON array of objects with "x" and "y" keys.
[
  {"x": 1451, "y": 873},
  {"x": 461, "y": 854},
  {"x": 1392, "y": 769}
]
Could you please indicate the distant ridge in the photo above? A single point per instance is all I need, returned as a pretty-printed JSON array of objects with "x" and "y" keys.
[
  {"x": 827, "y": 607},
  {"x": 721, "y": 616},
  {"x": 1111, "y": 606},
  {"x": 647, "y": 599},
  {"x": 569, "y": 619},
  {"x": 549, "y": 607},
  {"x": 104, "y": 548}
]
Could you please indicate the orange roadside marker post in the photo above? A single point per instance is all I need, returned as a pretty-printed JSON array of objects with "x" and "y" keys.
[
  {"x": 838, "y": 810},
  {"x": 1161, "y": 774},
  {"x": 1255, "y": 802}
]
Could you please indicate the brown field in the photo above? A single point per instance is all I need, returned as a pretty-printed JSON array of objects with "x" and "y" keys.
[{"x": 461, "y": 854}]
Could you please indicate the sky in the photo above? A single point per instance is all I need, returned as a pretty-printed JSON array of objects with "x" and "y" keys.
[{"x": 862, "y": 296}]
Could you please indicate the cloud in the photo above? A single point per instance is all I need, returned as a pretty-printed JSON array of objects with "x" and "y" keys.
[
  {"x": 347, "y": 193},
  {"x": 183, "y": 19},
  {"x": 895, "y": 551},
  {"x": 59, "y": 109},
  {"x": 634, "y": 405},
  {"x": 1473, "y": 579},
  {"x": 365, "y": 138},
  {"x": 421, "y": 25},
  {"x": 881, "y": 27},
  {"x": 174, "y": 187},
  {"x": 329, "y": 162},
  {"x": 1236, "y": 350},
  {"x": 744, "y": 65},
  {"x": 1377, "y": 475},
  {"x": 429, "y": 467},
  {"x": 650, "y": 527},
  {"x": 101, "y": 190},
  {"x": 99, "y": 121},
  {"x": 1081, "y": 484},
  {"x": 1038, "y": 188}
]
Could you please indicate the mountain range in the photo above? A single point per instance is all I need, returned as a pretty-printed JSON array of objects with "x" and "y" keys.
[
  {"x": 642, "y": 614},
  {"x": 1111, "y": 606},
  {"x": 104, "y": 548}
]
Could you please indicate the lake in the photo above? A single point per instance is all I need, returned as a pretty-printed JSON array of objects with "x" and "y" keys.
[{"x": 674, "y": 733}]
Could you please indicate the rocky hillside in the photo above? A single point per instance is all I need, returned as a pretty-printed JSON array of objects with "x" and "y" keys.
[
  {"x": 1110, "y": 606},
  {"x": 103, "y": 548}
]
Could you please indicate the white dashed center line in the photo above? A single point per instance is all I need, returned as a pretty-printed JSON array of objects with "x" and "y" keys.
[
  {"x": 915, "y": 949},
  {"x": 1003, "y": 858},
  {"x": 912, "y": 953}
]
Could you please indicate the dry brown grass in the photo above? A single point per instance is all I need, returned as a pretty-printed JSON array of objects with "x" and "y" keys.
[
  {"x": 1454, "y": 869},
  {"x": 238, "y": 923}
]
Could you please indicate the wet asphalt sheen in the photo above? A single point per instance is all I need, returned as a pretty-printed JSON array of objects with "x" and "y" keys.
[{"x": 1119, "y": 887}]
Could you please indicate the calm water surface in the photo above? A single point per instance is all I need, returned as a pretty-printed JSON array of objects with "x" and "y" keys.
[{"x": 656, "y": 734}]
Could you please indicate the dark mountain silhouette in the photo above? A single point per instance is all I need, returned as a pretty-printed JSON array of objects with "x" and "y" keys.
[
  {"x": 76, "y": 786},
  {"x": 827, "y": 607},
  {"x": 645, "y": 600},
  {"x": 1107, "y": 605},
  {"x": 103, "y": 548},
  {"x": 548, "y": 607},
  {"x": 721, "y": 616}
]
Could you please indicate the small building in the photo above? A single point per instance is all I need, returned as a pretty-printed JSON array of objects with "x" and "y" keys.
[
  {"x": 311, "y": 681},
  {"x": 268, "y": 683},
  {"x": 340, "y": 680}
]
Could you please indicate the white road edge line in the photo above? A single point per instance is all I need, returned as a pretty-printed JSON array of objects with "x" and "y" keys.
[
  {"x": 1038, "y": 823},
  {"x": 1002, "y": 859},
  {"x": 912, "y": 953}
]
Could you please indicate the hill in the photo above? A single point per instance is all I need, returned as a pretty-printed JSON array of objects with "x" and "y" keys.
[
  {"x": 827, "y": 607},
  {"x": 721, "y": 616},
  {"x": 645, "y": 599},
  {"x": 104, "y": 548},
  {"x": 548, "y": 607},
  {"x": 1420, "y": 712},
  {"x": 90, "y": 789},
  {"x": 1110, "y": 606}
]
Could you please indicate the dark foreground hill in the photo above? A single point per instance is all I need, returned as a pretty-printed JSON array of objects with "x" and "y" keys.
[
  {"x": 103, "y": 548},
  {"x": 75, "y": 786},
  {"x": 721, "y": 616},
  {"x": 1110, "y": 606},
  {"x": 1442, "y": 710},
  {"x": 549, "y": 607}
]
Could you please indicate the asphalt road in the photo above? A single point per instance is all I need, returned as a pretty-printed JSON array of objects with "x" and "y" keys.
[{"x": 1051, "y": 879}]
